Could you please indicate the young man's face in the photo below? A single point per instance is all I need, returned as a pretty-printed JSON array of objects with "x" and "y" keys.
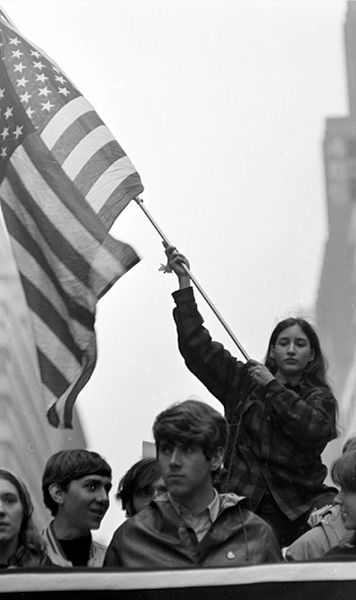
[
  {"x": 85, "y": 503},
  {"x": 186, "y": 471}
]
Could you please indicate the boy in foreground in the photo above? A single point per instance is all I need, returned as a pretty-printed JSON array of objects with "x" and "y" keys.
[{"x": 192, "y": 525}]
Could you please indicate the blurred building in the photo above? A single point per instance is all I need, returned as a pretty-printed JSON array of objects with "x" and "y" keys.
[
  {"x": 26, "y": 438},
  {"x": 335, "y": 310},
  {"x": 148, "y": 450}
]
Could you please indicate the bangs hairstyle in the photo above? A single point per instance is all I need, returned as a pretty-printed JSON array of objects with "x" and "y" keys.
[
  {"x": 68, "y": 465},
  {"x": 343, "y": 471},
  {"x": 140, "y": 476},
  {"x": 315, "y": 370},
  {"x": 192, "y": 423}
]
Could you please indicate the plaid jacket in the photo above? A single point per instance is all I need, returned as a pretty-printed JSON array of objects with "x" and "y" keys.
[{"x": 277, "y": 434}]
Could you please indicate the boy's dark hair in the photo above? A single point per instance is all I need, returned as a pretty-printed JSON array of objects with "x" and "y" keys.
[
  {"x": 192, "y": 422},
  {"x": 140, "y": 476},
  {"x": 343, "y": 471},
  {"x": 68, "y": 465}
]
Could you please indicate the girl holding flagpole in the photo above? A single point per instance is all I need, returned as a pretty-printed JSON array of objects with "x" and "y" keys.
[{"x": 281, "y": 414}]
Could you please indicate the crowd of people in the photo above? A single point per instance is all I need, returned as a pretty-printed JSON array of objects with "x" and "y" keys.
[{"x": 243, "y": 488}]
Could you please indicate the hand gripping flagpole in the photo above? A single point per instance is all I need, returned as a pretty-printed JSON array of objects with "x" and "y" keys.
[{"x": 167, "y": 243}]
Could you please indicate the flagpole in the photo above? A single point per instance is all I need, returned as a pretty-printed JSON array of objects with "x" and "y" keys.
[
  {"x": 167, "y": 243},
  {"x": 6, "y": 20}
]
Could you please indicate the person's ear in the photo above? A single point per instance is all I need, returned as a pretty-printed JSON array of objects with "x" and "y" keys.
[
  {"x": 217, "y": 458},
  {"x": 56, "y": 493},
  {"x": 271, "y": 353},
  {"x": 312, "y": 356}
]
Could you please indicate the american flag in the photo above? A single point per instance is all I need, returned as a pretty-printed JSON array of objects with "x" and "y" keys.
[{"x": 64, "y": 179}]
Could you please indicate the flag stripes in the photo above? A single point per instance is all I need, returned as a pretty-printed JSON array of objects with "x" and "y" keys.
[
  {"x": 95, "y": 168},
  {"x": 97, "y": 138},
  {"x": 36, "y": 269},
  {"x": 64, "y": 179},
  {"x": 69, "y": 226},
  {"x": 84, "y": 143},
  {"x": 48, "y": 319}
]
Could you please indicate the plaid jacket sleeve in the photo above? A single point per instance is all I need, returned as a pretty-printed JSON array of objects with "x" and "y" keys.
[
  {"x": 307, "y": 415},
  {"x": 209, "y": 361}
]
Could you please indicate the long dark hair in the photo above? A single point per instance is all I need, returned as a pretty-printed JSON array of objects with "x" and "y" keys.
[
  {"x": 31, "y": 549},
  {"x": 315, "y": 371},
  {"x": 141, "y": 475}
]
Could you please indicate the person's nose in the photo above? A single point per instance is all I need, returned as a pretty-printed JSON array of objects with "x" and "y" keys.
[
  {"x": 338, "y": 498},
  {"x": 291, "y": 348},
  {"x": 103, "y": 496},
  {"x": 2, "y": 508},
  {"x": 175, "y": 457}
]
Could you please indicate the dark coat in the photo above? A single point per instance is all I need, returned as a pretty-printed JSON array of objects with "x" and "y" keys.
[{"x": 157, "y": 537}]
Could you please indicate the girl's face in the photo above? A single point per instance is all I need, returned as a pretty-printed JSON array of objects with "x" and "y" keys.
[
  {"x": 11, "y": 512},
  {"x": 347, "y": 502},
  {"x": 291, "y": 352},
  {"x": 145, "y": 495}
]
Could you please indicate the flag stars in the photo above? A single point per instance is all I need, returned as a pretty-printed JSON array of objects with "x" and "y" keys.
[
  {"x": 63, "y": 91},
  {"x": 8, "y": 112},
  {"x": 60, "y": 79},
  {"x": 25, "y": 97},
  {"x": 18, "y": 131},
  {"x": 22, "y": 82},
  {"x": 41, "y": 77},
  {"x": 2, "y": 92},
  {"x": 44, "y": 91},
  {"x": 35, "y": 53},
  {"x": 29, "y": 112},
  {"x": 19, "y": 67},
  {"x": 15, "y": 41},
  {"x": 3, "y": 152},
  {"x": 47, "y": 106},
  {"x": 5, "y": 133},
  {"x": 16, "y": 53},
  {"x": 38, "y": 65}
]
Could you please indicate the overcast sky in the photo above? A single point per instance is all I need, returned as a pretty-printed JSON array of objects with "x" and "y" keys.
[{"x": 221, "y": 107}]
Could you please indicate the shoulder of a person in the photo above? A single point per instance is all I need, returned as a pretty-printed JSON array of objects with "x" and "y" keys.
[
  {"x": 241, "y": 505},
  {"x": 317, "y": 389},
  {"x": 144, "y": 516}
]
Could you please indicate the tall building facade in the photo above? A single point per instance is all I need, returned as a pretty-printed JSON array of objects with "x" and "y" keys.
[
  {"x": 335, "y": 310},
  {"x": 26, "y": 438}
]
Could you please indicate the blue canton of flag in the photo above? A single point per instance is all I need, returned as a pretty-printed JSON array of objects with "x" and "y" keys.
[{"x": 64, "y": 179}]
